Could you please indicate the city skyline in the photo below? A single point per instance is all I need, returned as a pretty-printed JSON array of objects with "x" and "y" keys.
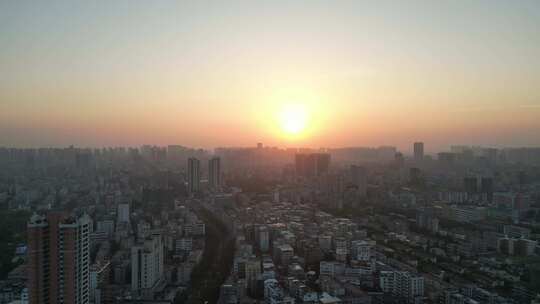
[
  {"x": 270, "y": 152},
  {"x": 166, "y": 148},
  {"x": 126, "y": 74}
]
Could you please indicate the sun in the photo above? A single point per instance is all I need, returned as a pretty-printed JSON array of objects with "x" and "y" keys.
[{"x": 293, "y": 119}]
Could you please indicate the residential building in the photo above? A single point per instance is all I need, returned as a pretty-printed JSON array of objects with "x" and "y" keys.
[{"x": 59, "y": 258}]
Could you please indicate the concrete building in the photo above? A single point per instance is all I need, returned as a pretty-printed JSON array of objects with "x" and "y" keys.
[
  {"x": 516, "y": 231},
  {"x": 214, "y": 173},
  {"x": 518, "y": 247},
  {"x": 286, "y": 252},
  {"x": 194, "y": 175},
  {"x": 123, "y": 213},
  {"x": 274, "y": 294},
  {"x": 468, "y": 214},
  {"x": 59, "y": 258},
  {"x": 386, "y": 281},
  {"x": 325, "y": 242},
  {"x": 198, "y": 228},
  {"x": 402, "y": 284},
  {"x": 418, "y": 151},
  {"x": 505, "y": 246},
  {"x": 408, "y": 286},
  {"x": 228, "y": 294},
  {"x": 146, "y": 264},
  {"x": 106, "y": 226},
  {"x": 359, "y": 179},
  {"x": 183, "y": 245},
  {"x": 264, "y": 238},
  {"x": 361, "y": 250},
  {"x": 99, "y": 276},
  {"x": 312, "y": 164},
  {"x": 252, "y": 272},
  {"x": 524, "y": 247}
]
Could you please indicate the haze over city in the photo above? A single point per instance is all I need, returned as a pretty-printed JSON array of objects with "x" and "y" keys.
[
  {"x": 210, "y": 74},
  {"x": 270, "y": 152}
]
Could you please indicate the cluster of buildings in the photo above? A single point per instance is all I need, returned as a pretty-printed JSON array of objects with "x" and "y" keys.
[
  {"x": 67, "y": 263},
  {"x": 350, "y": 225},
  {"x": 291, "y": 253}
]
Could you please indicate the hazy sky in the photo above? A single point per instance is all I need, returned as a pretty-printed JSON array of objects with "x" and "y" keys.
[{"x": 214, "y": 73}]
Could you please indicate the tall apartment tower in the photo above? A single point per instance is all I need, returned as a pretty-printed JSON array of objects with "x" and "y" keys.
[
  {"x": 264, "y": 239},
  {"x": 418, "y": 151},
  {"x": 194, "y": 175},
  {"x": 359, "y": 179},
  {"x": 146, "y": 263},
  {"x": 470, "y": 184},
  {"x": 312, "y": 164},
  {"x": 253, "y": 271},
  {"x": 59, "y": 258},
  {"x": 123, "y": 213},
  {"x": 214, "y": 173}
]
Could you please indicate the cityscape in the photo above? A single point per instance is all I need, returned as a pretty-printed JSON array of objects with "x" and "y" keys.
[
  {"x": 268, "y": 225},
  {"x": 270, "y": 152}
]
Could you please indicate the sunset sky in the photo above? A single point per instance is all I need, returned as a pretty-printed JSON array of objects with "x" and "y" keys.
[{"x": 222, "y": 73}]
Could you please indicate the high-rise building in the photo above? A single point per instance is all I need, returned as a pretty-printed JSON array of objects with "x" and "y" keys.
[
  {"x": 446, "y": 158},
  {"x": 252, "y": 270},
  {"x": 106, "y": 226},
  {"x": 273, "y": 293},
  {"x": 59, "y": 258},
  {"x": 285, "y": 253},
  {"x": 385, "y": 153},
  {"x": 490, "y": 154},
  {"x": 418, "y": 151},
  {"x": 312, "y": 164},
  {"x": 359, "y": 179},
  {"x": 175, "y": 153},
  {"x": 123, "y": 213},
  {"x": 325, "y": 242},
  {"x": 323, "y": 163},
  {"x": 183, "y": 245},
  {"x": 415, "y": 176},
  {"x": 302, "y": 164},
  {"x": 487, "y": 188},
  {"x": 146, "y": 264},
  {"x": 228, "y": 293},
  {"x": 409, "y": 286},
  {"x": 83, "y": 159},
  {"x": 99, "y": 278},
  {"x": 194, "y": 175},
  {"x": 470, "y": 184},
  {"x": 399, "y": 160},
  {"x": 214, "y": 173},
  {"x": 264, "y": 239}
]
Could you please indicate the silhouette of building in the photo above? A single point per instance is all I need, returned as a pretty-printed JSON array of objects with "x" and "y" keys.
[
  {"x": 446, "y": 158},
  {"x": 470, "y": 184},
  {"x": 123, "y": 213},
  {"x": 415, "y": 176},
  {"x": 486, "y": 187},
  {"x": 418, "y": 151},
  {"x": 312, "y": 164},
  {"x": 359, "y": 179},
  {"x": 264, "y": 239},
  {"x": 214, "y": 173},
  {"x": 194, "y": 176},
  {"x": 399, "y": 160}
]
